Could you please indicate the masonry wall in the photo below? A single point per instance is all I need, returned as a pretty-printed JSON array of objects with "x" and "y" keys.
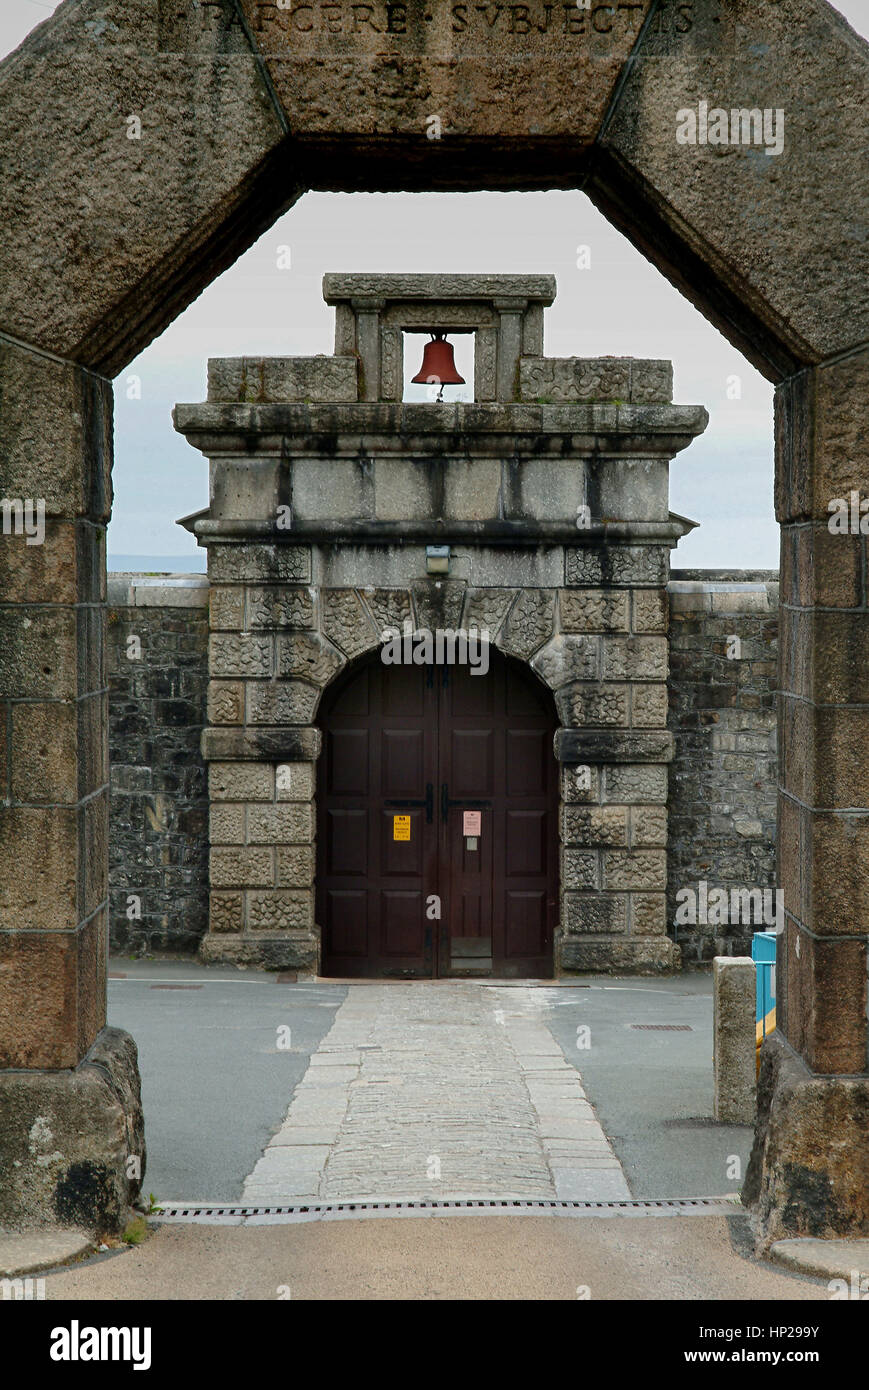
[
  {"x": 721, "y": 783},
  {"x": 158, "y": 812},
  {"x": 722, "y": 803}
]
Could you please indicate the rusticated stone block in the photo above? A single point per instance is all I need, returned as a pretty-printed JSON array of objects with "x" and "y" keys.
[
  {"x": 564, "y": 379},
  {"x": 635, "y": 783},
  {"x": 234, "y": 563},
  {"x": 237, "y": 867},
  {"x": 291, "y": 823},
  {"x": 280, "y": 607},
  {"x": 259, "y": 744},
  {"x": 284, "y": 951},
  {"x": 648, "y": 826},
  {"x": 580, "y": 868},
  {"x": 635, "y": 869},
  {"x": 294, "y": 782},
  {"x": 595, "y": 825},
  {"x": 438, "y": 603},
  {"x": 388, "y": 607},
  {"x": 648, "y": 913},
  {"x": 566, "y": 659},
  {"x": 593, "y": 610},
  {"x": 225, "y": 702},
  {"x": 240, "y": 654},
  {"x": 594, "y": 565},
  {"x": 288, "y": 910},
  {"x": 594, "y": 914},
  {"x": 603, "y": 746},
  {"x": 225, "y": 912},
  {"x": 487, "y": 609},
  {"x": 640, "y": 956},
  {"x": 45, "y": 749},
  {"x": 649, "y": 706},
  {"x": 346, "y": 623},
  {"x": 529, "y": 623},
  {"x": 295, "y": 866},
  {"x": 226, "y": 824},
  {"x": 241, "y": 781},
  {"x": 308, "y": 656},
  {"x": 282, "y": 378},
  {"x": 635, "y": 658},
  {"x": 650, "y": 610},
  {"x": 225, "y": 609},
  {"x": 581, "y": 705},
  {"x": 580, "y": 783},
  {"x": 281, "y": 702}
]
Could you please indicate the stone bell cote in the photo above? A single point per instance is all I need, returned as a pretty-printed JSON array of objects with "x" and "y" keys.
[{"x": 504, "y": 312}]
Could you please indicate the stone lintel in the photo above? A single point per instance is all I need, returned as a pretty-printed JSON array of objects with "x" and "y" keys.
[
  {"x": 291, "y": 744},
  {"x": 580, "y": 746},
  {"x": 339, "y": 288}
]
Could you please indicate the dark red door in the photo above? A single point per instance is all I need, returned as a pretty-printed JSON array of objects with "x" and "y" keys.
[{"x": 402, "y": 888}]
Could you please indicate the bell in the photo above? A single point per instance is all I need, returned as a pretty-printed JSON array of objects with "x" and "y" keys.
[{"x": 438, "y": 365}]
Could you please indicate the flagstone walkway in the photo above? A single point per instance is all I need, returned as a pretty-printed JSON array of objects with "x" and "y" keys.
[{"x": 449, "y": 1089}]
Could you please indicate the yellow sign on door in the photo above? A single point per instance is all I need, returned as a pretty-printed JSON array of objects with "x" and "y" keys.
[{"x": 401, "y": 827}]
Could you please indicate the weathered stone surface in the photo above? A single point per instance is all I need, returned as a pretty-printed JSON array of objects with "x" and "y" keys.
[
  {"x": 238, "y": 867},
  {"x": 595, "y": 913},
  {"x": 225, "y": 702},
  {"x": 594, "y": 610},
  {"x": 634, "y": 658},
  {"x": 280, "y": 911},
  {"x": 260, "y": 564},
  {"x": 294, "y": 781},
  {"x": 281, "y": 702},
  {"x": 346, "y": 623},
  {"x": 282, "y": 378},
  {"x": 733, "y": 1029},
  {"x": 811, "y": 296},
  {"x": 635, "y": 869},
  {"x": 293, "y": 951},
  {"x": 226, "y": 824},
  {"x": 388, "y": 607},
  {"x": 562, "y": 379},
  {"x": 225, "y": 609},
  {"x": 290, "y": 743},
  {"x": 529, "y": 624},
  {"x": 438, "y": 604},
  {"x": 295, "y": 866},
  {"x": 594, "y": 565},
  {"x": 487, "y": 608},
  {"x": 566, "y": 659},
  {"x": 154, "y": 204},
  {"x": 593, "y": 705},
  {"x": 650, "y": 610},
  {"x": 280, "y": 607},
  {"x": 226, "y": 912},
  {"x": 287, "y": 824},
  {"x": 641, "y": 956},
  {"x": 239, "y": 654},
  {"x": 241, "y": 782},
  {"x": 66, "y": 1138},
  {"x": 309, "y": 656},
  {"x": 648, "y": 706},
  {"x": 595, "y": 825},
  {"x": 580, "y": 869},
  {"x": 602, "y": 746},
  {"x": 809, "y": 1169}
]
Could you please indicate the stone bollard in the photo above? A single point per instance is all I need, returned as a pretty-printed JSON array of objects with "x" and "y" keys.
[{"x": 733, "y": 980}]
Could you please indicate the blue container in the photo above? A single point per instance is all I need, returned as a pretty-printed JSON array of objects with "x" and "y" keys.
[{"x": 763, "y": 955}]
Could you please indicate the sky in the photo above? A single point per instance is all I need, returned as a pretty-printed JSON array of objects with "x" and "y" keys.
[{"x": 618, "y": 303}]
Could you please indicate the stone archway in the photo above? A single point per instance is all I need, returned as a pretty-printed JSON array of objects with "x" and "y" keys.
[{"x": 128, "y": 184}]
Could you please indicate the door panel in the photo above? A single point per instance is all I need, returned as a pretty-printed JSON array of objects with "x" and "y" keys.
[{"x": 429, "y": 744}]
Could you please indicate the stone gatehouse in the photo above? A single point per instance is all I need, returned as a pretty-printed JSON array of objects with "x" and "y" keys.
[{"x": 367, "y": 819}]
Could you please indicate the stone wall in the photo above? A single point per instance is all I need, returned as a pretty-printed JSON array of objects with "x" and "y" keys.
[
  {"x": 158, "y": 816},
  {"x": 723, "y": 777},
  {"x": 721, "y": 781}
]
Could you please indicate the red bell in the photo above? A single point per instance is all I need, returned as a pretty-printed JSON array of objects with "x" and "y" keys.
[{"x": 438, "y": 364}]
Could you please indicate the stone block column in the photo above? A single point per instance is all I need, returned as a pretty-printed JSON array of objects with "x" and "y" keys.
[
  {"x": 55, "y": 453},
  {"x": 810, "y": 1166}
]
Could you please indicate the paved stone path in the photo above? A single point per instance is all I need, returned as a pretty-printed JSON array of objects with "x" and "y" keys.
[{"x": 447, "y": 1089}]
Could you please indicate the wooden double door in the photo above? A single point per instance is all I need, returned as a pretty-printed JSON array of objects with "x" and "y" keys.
[{"x": 415, "y": 760}]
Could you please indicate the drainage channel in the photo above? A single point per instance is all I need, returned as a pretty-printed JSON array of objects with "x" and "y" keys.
[{"x": 237, "y": 1214}]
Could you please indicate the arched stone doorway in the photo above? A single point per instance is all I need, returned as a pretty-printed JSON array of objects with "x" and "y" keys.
[{"x": 413, "y": 758}]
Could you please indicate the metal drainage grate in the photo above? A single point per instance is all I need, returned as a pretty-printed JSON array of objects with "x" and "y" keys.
[
  {"x": 663, "y": 1027},
  {"x": 232, "y": 1214}
]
